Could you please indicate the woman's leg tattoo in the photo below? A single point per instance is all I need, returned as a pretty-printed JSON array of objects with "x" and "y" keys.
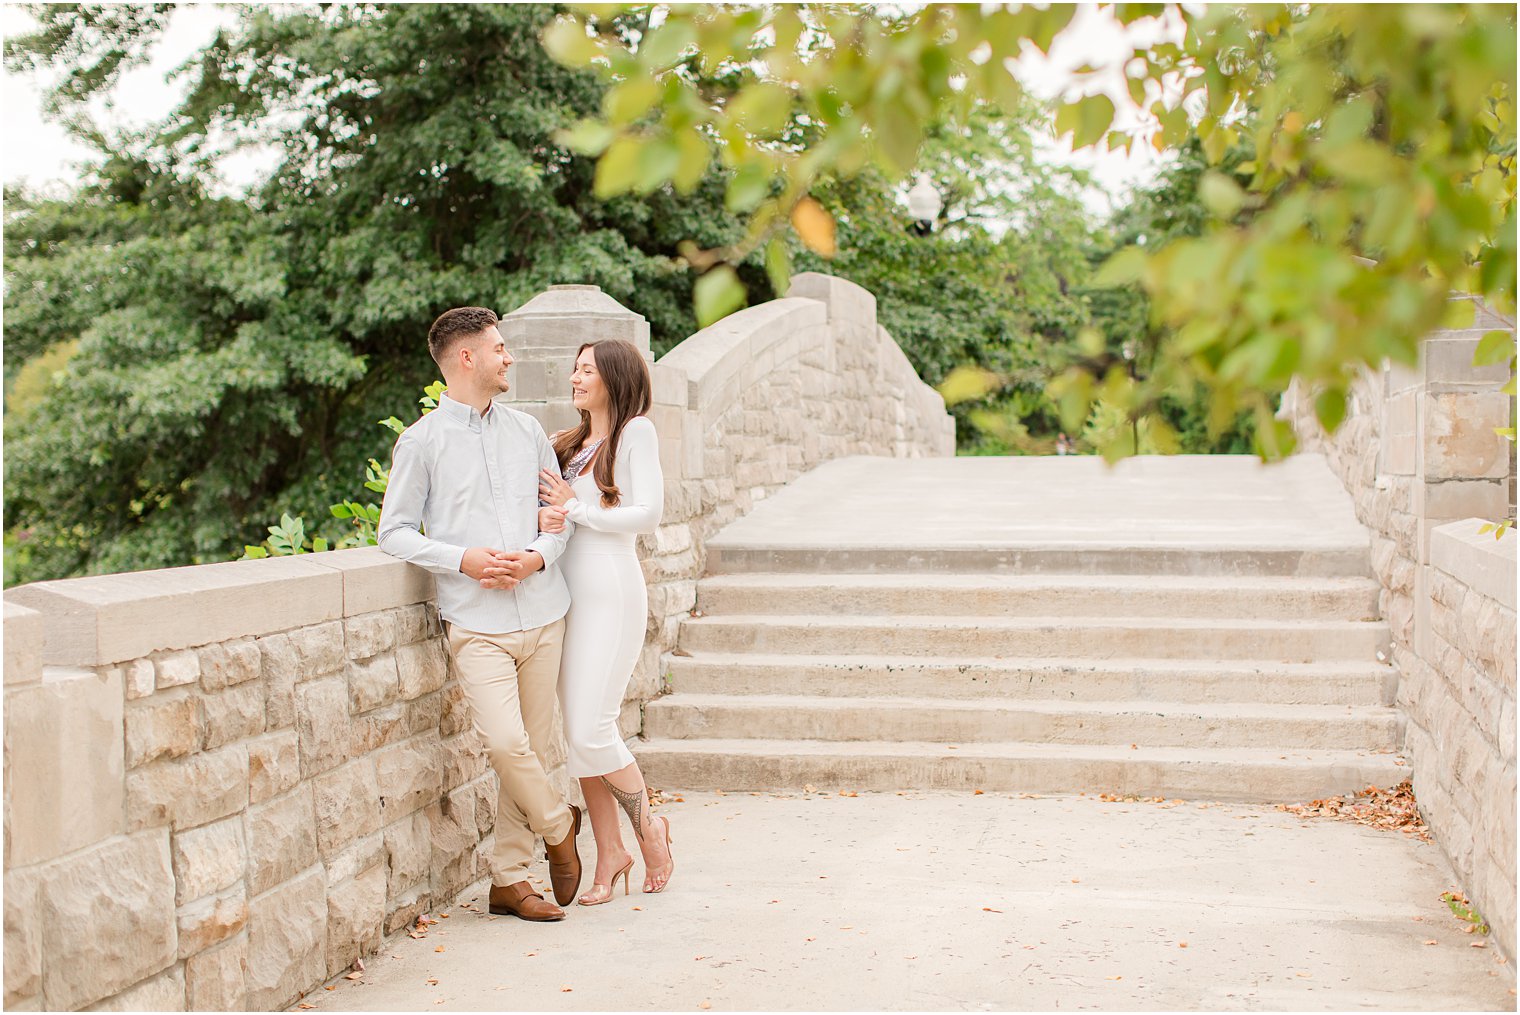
[{"x": 633, "y": 802}]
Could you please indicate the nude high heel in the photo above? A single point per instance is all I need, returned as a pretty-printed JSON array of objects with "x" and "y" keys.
[
  {"x": 595, "y": 898},
  {"x": 671, "y": 865}
]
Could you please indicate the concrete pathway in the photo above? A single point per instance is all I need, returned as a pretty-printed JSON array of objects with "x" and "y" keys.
[
  {"x": 1182, "y": 500},
  {"x": 974, "y": 902}
]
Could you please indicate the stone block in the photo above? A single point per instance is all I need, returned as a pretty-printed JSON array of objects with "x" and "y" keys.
[
  {"x": 174, "y": 669},
  {"x": 372, "y": 683},
  {"x": 369, "y": 634},
  {"x": 374, "y": 580},
  {"x": 23, "y": 937},
  {"x": 106, "y": 619},
  {"x": 282, "y": 839},
  {"x": 233, "y": 714},
  {"x": 164, "y": 992},
  {"x": 141, "y": 678},
  {"x": 213, "y": 919},
  {"x": 455, "y": 716},
  {"x": 319, "y": 649},
  {"x": 287, "y": 941},
  {"x": 214, "y": 978},
  {"x": 281, "y": 669},
  {"x": 410, "y": 776},
  {"x": 226, "y": 664},
  {"x": 274, "y": 765},
  {"x": 485, "y": 805},
  {"x": 408, "y": 852},
  {"x": 401, "y": 911},
  {"x": 422, "y": 668},
  {"x": 1457, "y": 439},
  {"x": 23, "y": 644},
  {"x": 422, "y": 715},
  {"x": 464, "y": 760},
  {"x": 166, "y": 725},
  {"x": 355, "y": 919},
  {"x": 355, "y": 858},
  {"x": 1476, "y": 560},
  {"x": 347, "y": 802},
  {"x": 188, "y": 792},
  {"x": 107, "y": 918},
  {"x": 322, "y": 723},
  {"x": 64, "y": 744},
  {"x": 374, "y": 729},
  {"x": 208, "y": 859},
  {"x": 417, "y": 622}
]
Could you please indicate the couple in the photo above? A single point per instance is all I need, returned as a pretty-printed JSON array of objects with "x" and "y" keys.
[{"x": 539, "y": 586}]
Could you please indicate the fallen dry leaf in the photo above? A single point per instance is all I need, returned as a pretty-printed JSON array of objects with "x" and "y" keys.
[
  {"x": 355, "y": 975},
  {"x": 1303, "y": 976},
  {"x": 1113, "y": 977},
  {"x": 566, "y": 990},
  {"x": 1432, "y": 941},
  {"x": 438, "y": 949},
  {"x": 1389, "y": 809},
  {"x": 1477, "y": 944},
  {"x": 976, "y": 792},
  {"x": 989, "y": 909},
  {"x": 705, "y": 1005},
  {"x": 1181, "y": 944},
  {"x": 329, "y": 987}
]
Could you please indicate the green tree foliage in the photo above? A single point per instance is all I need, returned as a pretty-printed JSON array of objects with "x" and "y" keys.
[
  {"x": 1382, "y": 174},
  {"x": 993, "y": 286},
  {"x": 234, "y": 355}
]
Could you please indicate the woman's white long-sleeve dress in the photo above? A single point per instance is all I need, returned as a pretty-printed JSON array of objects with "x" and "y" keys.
[{"x": 604, "y": 630}]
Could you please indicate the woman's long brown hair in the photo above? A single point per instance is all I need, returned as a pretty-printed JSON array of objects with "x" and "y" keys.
[{"x": 625, "y": 375}]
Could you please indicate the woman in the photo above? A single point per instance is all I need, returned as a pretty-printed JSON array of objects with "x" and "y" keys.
[{"x": 612, "y": 489}]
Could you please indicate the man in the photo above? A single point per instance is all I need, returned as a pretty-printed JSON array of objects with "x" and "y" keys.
[{"x": 463, "y": 502}]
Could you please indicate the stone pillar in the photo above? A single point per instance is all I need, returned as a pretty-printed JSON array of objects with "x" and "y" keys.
[
  {"x": 543, "y": 336},
  {"x": 1443, "y": 427}
]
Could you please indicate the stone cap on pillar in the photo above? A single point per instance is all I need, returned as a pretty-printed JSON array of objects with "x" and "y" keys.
[{"x": 564, "y": 316}]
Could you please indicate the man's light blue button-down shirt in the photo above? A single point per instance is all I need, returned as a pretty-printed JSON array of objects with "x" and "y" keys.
[{"x": 461, "y": 479}]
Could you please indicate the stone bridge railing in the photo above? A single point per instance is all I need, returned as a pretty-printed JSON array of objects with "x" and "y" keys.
[
  {"x": 225, "y": 783},
  {"x": 1418, "y": 453}
]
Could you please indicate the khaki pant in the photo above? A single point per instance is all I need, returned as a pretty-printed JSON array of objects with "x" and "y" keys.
[{"x": 510, "y": 681}]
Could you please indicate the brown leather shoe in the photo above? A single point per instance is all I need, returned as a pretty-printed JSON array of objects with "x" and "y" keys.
[
  {"x": 565, "y": 863},
  {"x": 521, "y": 901}
]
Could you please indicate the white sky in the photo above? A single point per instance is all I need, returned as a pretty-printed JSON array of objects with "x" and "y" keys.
[{"x": 42, "y": 154}]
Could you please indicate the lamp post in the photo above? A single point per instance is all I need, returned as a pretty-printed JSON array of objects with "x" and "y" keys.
[{"x": 924, "y": 204}]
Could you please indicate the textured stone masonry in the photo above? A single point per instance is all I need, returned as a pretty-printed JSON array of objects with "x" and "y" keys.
[
  {"x": 1419, "y": 456},
  {"x": 225, "y": 784}
]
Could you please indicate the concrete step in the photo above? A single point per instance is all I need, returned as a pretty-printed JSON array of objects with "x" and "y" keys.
[
  {"x": 1155, "y": 724},
  {"x": 1191, "y": 773},
  {"x": 1289, "y": 641},
  {"x": 731, "y": 555},
  {"x": 1269, "y": 598},
  {"x": 1183, "y": 681}
]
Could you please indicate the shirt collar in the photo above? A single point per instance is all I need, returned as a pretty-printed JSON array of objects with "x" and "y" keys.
[{"x": 465, "y": 414}]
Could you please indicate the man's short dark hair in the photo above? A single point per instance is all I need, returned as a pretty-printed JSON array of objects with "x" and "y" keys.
[{"x": 453, "y": 325}]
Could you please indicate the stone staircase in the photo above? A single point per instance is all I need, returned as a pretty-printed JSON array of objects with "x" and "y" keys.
[{"x": 1217, "y": 672}]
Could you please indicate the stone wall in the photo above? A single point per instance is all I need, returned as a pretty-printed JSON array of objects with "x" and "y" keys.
[
  {"x": 1419, "y": 456},
  {"x": 225, "y": 783}
]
